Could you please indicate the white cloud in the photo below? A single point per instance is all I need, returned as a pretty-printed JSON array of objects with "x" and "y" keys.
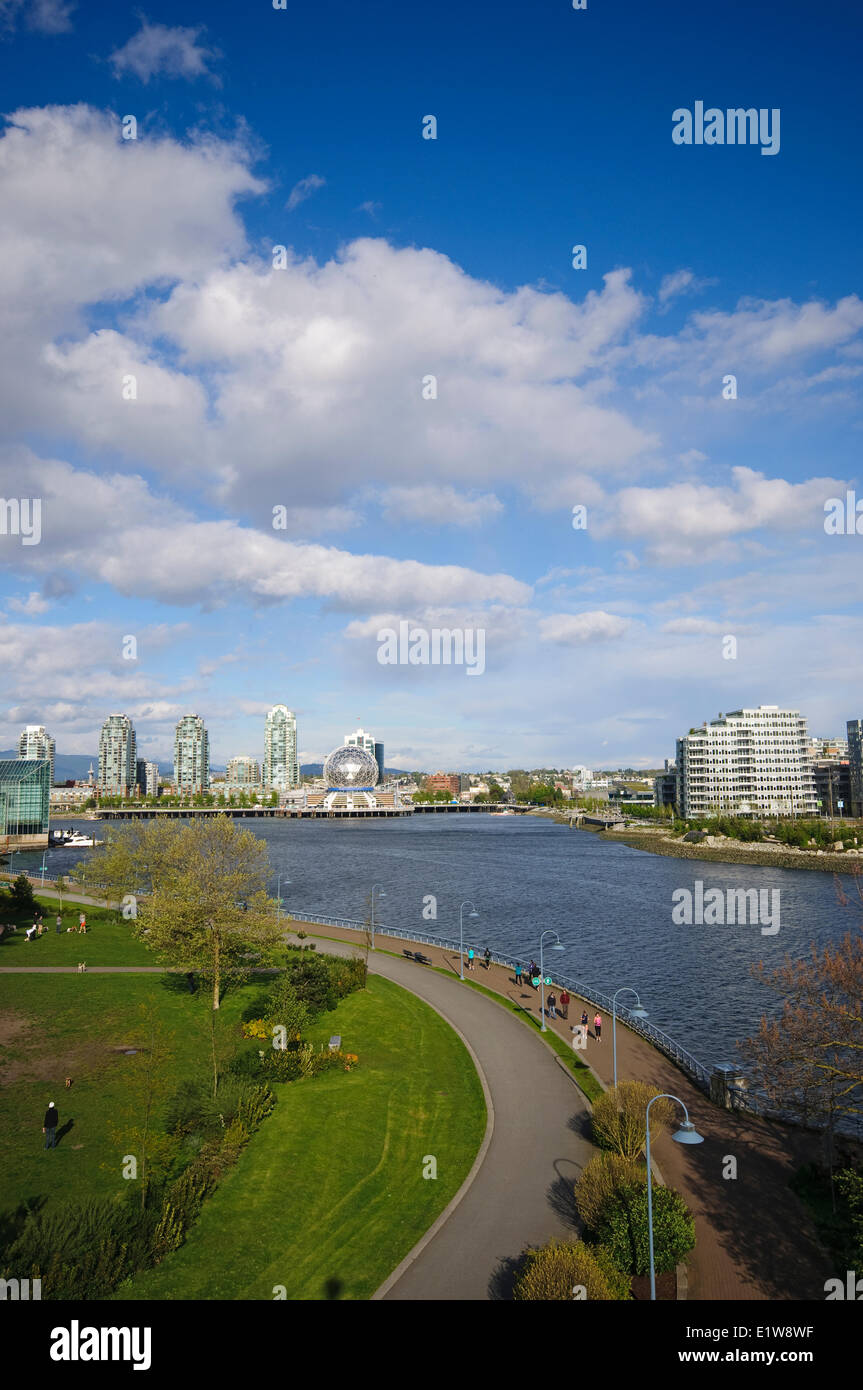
[
  {"x": 575, "y": 629},
  {"x": 116, "y": 530},
  {"x": 303, "y": 190},
  {"x": 31, "y": 606},
  {"x": 158, "y": 50},
  {"x": 680, "y": 282}
]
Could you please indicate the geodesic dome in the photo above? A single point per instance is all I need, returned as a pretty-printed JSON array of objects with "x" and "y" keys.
[{"x": 350, "y": 769}]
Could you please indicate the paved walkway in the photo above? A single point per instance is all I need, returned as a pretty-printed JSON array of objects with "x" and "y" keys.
[{"x": 755, "y": 1240}]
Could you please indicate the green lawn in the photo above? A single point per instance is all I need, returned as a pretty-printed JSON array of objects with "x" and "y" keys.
[
  {"x": 329, "y": 1195},
  {"x": 54, "y": 1026},
  {"x": 106, "y": 941}
]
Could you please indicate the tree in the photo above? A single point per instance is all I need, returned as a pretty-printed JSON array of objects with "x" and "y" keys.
[
  {"x": 619, "y": 1117},
  {"x": 200, "y": 891},
  {"x": 809, "y": 1059},
  {"x": 21, "y": 894}
]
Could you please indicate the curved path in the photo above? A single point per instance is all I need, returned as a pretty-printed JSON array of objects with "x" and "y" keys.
[{"x": 522, "y": 1193}]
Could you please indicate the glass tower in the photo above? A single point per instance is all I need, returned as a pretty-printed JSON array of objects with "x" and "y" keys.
[
  {"x": 33, "y": 742},
  {"x": 281, "y": 768},
  {"x": 117, "y": 756},
  {"x": 191, "y": 756}
]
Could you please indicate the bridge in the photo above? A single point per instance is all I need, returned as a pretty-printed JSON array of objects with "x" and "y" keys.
[{"x": 320, "y": 812}]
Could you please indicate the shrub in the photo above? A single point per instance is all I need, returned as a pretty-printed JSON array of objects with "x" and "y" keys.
[
  {"x": 21, "y": 893},
  {"x": 623, "y": 1228},
  {"x": 602, "y": 1176},
  {"x": 619, "y": 1117},
  {"x": 552, "y": 1273}
]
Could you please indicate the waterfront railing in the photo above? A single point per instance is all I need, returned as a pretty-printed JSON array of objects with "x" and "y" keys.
[{"x": 672, "y": 1049}]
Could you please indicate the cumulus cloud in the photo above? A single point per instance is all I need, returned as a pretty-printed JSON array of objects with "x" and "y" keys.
[
  {"x": 115, "y": 529},
  {"x": 676, "y": 520},
  {"x": 157, "y": 50}
]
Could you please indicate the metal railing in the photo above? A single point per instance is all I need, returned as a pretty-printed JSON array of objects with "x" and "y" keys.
[{"x": 682, "y": 1058}]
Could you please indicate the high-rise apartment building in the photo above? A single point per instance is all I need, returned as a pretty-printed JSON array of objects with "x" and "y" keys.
[
  {"x": 117, "y": 759},
  {"x": 33, "y": 742},
  {"x": 243, "y": 771},
  {"x": 191, "y": 756},
  {"x": 147, "y": 777},
  {"x": 855, "y": 759},
  {"x": 749, "y": 762},
  {"x": 281, "y": 768}
]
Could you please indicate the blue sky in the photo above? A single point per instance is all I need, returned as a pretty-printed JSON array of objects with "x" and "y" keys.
[{"x": 302, "y": 387}]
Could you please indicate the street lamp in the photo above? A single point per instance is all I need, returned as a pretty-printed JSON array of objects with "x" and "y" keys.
[
  {"x": 687, "y": 1134},
  {"x": 382, "y": 892},
  {"x": 473, "y": 913},
  {"x": 279, "y": 894},
  {"x": 556, "y": 947},
  {"x": 637, "y": 1012}
]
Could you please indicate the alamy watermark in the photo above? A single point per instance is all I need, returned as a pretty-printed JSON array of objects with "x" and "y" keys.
[
  {"x": 736, "y": 126},
  {"x": 438, "y": 646},
  {"x": 718, "y": 908},
  {"x": 21, "y": 516}
]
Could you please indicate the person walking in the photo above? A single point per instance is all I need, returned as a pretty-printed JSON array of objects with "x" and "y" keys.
[
  {"x": 551, "y": 1005},
  {"x": 470, "y": 956},
  {"x": 487, "y": 958},
  {"x": 517, "y": 975},
  {"x": 49, "y": 1128},
  {"x": 564, "y": 1004},
  {"x": 584, "y": 1018},
  {"x": 82, "y": 924},
  {"x": 597, "y": 1027},
  {"x": 59, "y": 924}
]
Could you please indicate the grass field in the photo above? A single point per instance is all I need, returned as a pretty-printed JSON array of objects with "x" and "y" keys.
[
  {"x": 329, "y": 1195},
  {"x": 106, "y": 941},
  {"x": 54, "y": 1026}
]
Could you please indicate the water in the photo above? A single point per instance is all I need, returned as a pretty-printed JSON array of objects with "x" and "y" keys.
[{"x": 610, "y": 904}]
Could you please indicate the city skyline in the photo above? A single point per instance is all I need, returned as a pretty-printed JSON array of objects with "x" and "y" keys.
[{"x": 377, "y": 379}]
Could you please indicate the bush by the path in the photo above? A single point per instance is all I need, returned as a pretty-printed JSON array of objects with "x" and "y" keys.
[
  {"x": 619, "y": 1121},
  {"x": 604, "y": 1174},
  {"x": 560, "y": 1271},
  {"x": 623, "y": 1228}
]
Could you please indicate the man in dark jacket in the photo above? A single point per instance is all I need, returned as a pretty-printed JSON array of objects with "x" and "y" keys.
[{"x": 49, "y": 1128}]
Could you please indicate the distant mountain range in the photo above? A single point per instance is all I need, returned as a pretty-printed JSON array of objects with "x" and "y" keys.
[{"x": 67, "y": 767}]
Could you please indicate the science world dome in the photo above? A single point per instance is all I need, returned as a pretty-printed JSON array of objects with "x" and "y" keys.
[{"x": 350, "y": 769}]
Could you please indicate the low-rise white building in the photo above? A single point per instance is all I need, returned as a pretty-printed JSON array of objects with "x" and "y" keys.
[{"x": 751, "y": 762}]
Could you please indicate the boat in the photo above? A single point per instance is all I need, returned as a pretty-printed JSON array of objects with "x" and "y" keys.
[{"x": 73, "y": 839}]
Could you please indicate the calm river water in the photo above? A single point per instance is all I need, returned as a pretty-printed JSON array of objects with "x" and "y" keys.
[{"x": 611, "y": 905}]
